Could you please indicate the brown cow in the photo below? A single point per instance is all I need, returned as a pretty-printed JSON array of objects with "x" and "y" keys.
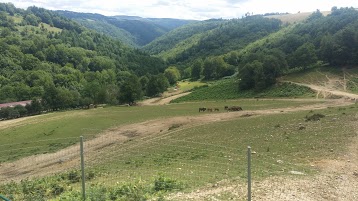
[
  {"x": 209, "y": 109},
  {"x": 216, "y": 109}
]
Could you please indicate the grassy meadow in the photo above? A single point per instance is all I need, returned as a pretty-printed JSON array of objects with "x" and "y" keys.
[
  {"x": 53, "y": 131},
  {"x": 184, "y": 159},
  {"x": 228, "y": 89}
]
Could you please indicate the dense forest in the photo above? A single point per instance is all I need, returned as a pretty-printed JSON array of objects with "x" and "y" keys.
[
  {"x": 260, "y": 49},
  {"x": 50, "y": 58},
  {"x": 319, "y": 41},
  {"x": 132, "y": 30}
]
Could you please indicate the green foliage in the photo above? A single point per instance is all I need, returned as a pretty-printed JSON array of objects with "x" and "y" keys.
[
  {"x": 157, "y": 84},
  {"x": 196, "y": 69},
  {"x": 303, "y": 56},
  {"x": 172, "y": 74},
  {"x": 57, "y": 187},
  {"x": 135, "y": 31},
  {"x": 314, "y": 117},
  {"x": 166, "y": 184},
  {"x": 171, "y": 39},
  {"x": 211, "y": 38},
  {"x": 69, "y": 68},
  {"x": 261, "y": 69},
  {"x": 131, "y": 90}
]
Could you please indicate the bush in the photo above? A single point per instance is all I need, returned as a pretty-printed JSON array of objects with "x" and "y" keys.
[
  {"x": 166, "y": 184},
  {"x": 73, "y": 176},
  {"x": 314, "y": 117}
]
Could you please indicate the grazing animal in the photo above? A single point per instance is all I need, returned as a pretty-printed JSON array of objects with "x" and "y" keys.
[
  {"x": 234, "y": 108},
  {"x": 202, "y": 109},
  {"x": 226, "y": 107},
  {"x": 209, "y": 109},
  {"x": 216, "y": 109}
]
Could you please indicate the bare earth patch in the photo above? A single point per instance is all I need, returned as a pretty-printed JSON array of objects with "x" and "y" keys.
[
  {"x": 46, "y": 164},
  {"x": 337, "y": 180}
]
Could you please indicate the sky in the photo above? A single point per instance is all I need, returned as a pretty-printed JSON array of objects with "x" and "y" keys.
[{"x": 185, "y": 9}]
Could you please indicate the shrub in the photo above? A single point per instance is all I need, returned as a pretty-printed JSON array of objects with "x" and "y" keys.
[
  {"x": 314, "y": 117},
  {"x": 73, "y": 176},
  {"x": 166, "y": 184}
]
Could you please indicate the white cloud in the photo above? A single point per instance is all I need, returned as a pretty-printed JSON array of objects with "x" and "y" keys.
[{"x": 186, "y": 9}]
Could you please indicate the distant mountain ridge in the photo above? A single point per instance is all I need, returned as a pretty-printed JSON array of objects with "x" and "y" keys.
[{"x": 132, "y": 30}]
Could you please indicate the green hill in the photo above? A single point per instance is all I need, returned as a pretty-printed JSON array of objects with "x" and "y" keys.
[
  {"x": 46, "y": 56},
  {"x": 211, "y": 38},
  {"x": 169, "y": 41},
  {"x": 132, "y": 30}
]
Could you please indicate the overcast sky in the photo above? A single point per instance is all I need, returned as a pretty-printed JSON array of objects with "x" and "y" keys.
[{"x": 185, "y": 9}]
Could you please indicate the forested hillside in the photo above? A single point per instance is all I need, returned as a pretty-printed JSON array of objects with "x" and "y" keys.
[
  {"x": 261, "y": 49},
  {"x": 320, "y": 40},
  {"x": 171, "y": 40},
  {"x": 134, "y": 31},
  {"x": 49, "y": 57},
  {"x": 211, "y": 38}
]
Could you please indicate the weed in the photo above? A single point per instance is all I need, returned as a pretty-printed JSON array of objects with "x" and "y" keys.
[
  {"x": 73, "y": 176},
  {"x": 314, "y": 117},
  {"x": 166, "y": 184}
]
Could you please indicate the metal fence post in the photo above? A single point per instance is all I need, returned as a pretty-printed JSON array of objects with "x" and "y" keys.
[
  {"x": 4, "y": 198},
  {"x": 82, "y": 169},
  {"x": 249, "y": 173}
]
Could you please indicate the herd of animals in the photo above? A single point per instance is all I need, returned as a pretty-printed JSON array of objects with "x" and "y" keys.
[{"x": 227, "y": 108}]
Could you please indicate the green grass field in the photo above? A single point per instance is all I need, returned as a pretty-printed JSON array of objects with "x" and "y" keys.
[
  {"x": 190, "y": 158},
  {"x": 189, "y": 85},
  {"x": 54, "y": 131},
  {"x": 228, "y": 89}
]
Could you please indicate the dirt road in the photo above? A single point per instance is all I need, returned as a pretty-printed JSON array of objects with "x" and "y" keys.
[
  {"x": 163, "y": 100},
  {"x": 338, "y": 179},
  {"x": 327, "y": 92},
  {"x": 45, "y": 164}
]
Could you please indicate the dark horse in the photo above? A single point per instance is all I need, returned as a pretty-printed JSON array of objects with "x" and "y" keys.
[
  {"x": 234, "y": 108},
  {"x": 202, "y": 109}
]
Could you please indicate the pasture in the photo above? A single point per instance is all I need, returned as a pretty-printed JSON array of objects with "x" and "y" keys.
[
  {"x": 47, "y": 130},
  {"x": 228, "y": 89},
  {"x": 195, "y": 156},
  {"x": 344, "y": 80}
]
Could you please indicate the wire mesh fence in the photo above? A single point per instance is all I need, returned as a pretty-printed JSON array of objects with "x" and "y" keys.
[
  {"x": 165, "y": 165},
  {"x": 160, "y": 164},
  {"x": 163, "y": 162}
]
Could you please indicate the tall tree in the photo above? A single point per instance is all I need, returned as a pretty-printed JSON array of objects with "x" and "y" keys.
[
  {"x": 130, "y": 90},
  {"x": 196, "y": 69}
]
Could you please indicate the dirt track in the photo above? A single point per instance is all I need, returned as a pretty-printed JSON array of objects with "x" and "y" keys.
[
  {"x": 326, "y": 92},
  {"x": 44, "y": 164},
  {"x": 163, "y": 100},
  {"x": 335, "y": 181}
]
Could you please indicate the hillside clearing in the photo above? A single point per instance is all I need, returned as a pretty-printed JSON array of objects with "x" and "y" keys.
[{"x": 296, "y": 17}]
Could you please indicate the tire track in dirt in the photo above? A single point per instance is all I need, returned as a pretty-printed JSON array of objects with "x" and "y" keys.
[{"x": 46, "y": 164}]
